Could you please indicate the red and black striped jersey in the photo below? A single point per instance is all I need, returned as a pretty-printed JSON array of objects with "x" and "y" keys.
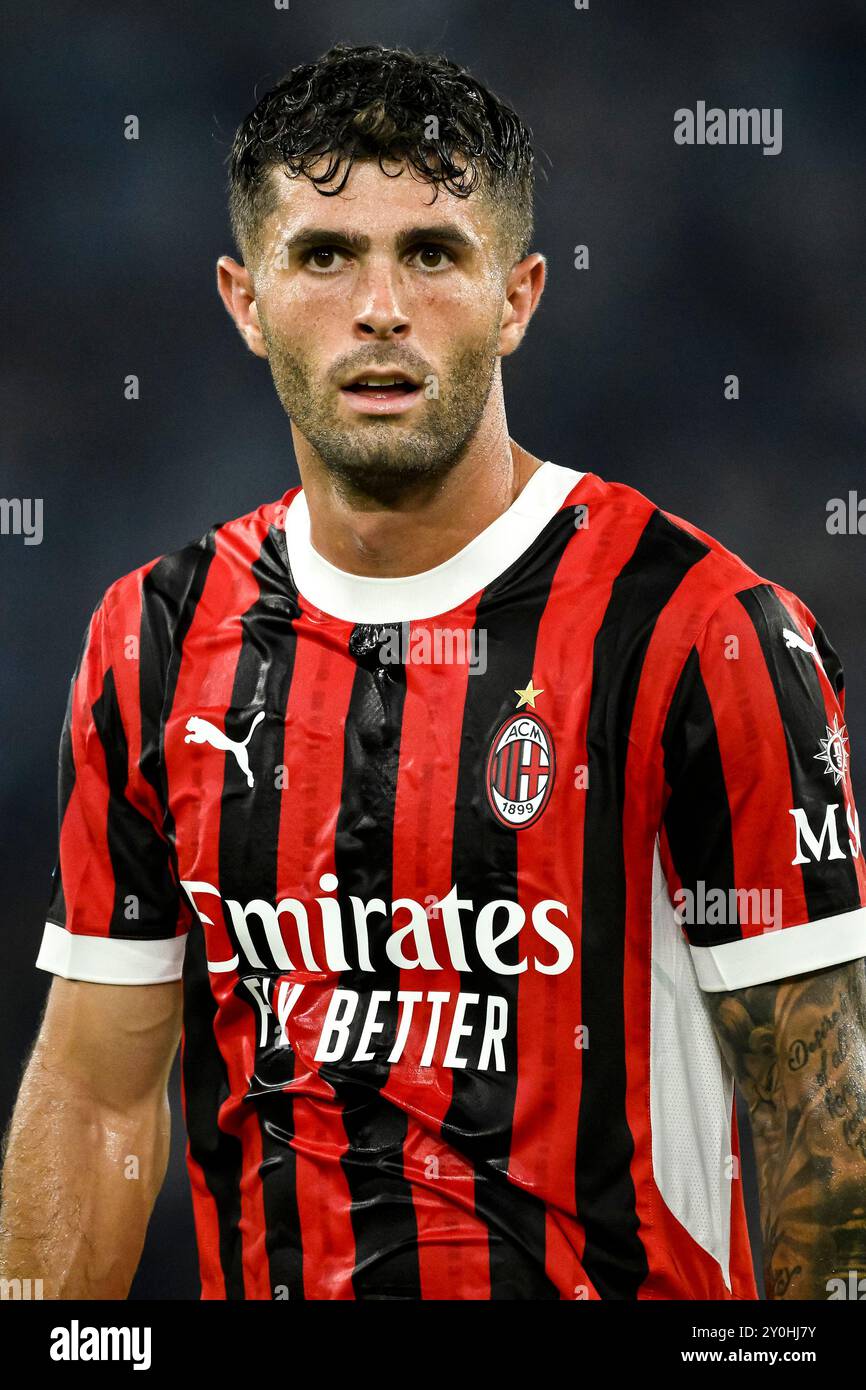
[{"x": 446, "y": 864}]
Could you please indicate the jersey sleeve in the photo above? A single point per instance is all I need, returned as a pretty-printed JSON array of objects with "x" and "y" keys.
[
  {"x": 760, "y": 840},
  {"x": 115, "y": 913}
]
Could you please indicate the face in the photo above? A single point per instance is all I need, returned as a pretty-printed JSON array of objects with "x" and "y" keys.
[{"x": 384, "y": 285}]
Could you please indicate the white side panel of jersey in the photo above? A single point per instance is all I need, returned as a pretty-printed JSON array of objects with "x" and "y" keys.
[{"x": 691, "y": 1089}]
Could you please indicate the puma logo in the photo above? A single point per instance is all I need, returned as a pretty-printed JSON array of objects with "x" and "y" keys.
[
  {"x": 202, "y": 731},
  {"x": 793, "y": 639}
]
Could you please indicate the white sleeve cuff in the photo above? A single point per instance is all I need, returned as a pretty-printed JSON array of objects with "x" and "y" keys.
[
  {"x": 779, "y": 953},
  {"x": 110, "y": 960}
]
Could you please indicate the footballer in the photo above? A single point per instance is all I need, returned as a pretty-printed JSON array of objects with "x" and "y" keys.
[{"x": 471, "y": 822}]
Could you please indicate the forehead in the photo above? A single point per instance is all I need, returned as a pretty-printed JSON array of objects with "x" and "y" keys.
[{"x": 375, "y": 204}]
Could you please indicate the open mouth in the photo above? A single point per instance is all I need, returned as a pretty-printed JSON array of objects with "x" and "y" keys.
[
  {"x": 386, "y": 394},
  {"x": 385, "y": 387}
]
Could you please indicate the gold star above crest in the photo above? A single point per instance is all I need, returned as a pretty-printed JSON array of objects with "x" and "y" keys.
[{"x": 528, "y": 696}]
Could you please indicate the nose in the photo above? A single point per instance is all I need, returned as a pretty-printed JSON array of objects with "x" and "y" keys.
[{"x": 379, "y": 313}]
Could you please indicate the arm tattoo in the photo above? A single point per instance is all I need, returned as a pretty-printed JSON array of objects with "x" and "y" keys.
[{"x": 797, "y": 1049}]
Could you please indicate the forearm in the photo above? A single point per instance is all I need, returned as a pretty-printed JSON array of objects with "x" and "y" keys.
[
  {"x": 79, "y": 1184},
  {"x": 798, "y": 1050},
  {"x": 812, "y": 1186}
]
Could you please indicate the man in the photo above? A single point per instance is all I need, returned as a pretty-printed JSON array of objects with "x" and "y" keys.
[{"x": 491, "y": 817}]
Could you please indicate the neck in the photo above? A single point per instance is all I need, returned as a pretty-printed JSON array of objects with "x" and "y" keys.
[{"x": 423, "y": 527}]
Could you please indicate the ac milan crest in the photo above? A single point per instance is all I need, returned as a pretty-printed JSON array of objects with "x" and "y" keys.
[{"x": 520, "y": 769}]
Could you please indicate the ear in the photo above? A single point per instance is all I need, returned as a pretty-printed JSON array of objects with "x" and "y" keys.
[
  {"x": 523, "y": 289},
  {"x": 235, "y": 286}
]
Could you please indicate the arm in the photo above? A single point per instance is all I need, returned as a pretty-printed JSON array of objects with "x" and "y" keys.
[
  {"x": 797, "y": 1048},
  {"x": 88, "y": 1144}
]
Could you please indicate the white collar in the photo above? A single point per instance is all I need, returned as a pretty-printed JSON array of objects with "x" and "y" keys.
[{"x": 361, "y": 598}]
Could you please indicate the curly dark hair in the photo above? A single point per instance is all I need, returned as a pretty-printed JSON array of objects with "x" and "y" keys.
[{"x": 376, "y": 103}]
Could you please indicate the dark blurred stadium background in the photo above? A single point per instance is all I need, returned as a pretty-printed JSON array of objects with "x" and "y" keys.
[{"x": 703, "y": 262}]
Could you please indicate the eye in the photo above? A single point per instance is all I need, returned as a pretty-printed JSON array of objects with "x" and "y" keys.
[
  {"x": 323, "y": 258},
  {"x": 428, "y": 256}
]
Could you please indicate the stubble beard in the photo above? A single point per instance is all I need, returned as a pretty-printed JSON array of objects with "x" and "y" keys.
[{"x": 385, "y": 457}]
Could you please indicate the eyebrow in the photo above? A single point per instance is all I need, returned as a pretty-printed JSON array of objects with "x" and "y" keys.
[{"x": 311, "y": 237}]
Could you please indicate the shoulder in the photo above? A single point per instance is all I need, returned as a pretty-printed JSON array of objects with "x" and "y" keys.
[
  {"x": 704, "y": 576},
  {"x": 157, "y": 593},
  {"x": 678, "y": 606}
]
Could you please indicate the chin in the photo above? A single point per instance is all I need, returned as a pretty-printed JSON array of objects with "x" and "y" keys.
[{"x": 379, "y": 472}]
